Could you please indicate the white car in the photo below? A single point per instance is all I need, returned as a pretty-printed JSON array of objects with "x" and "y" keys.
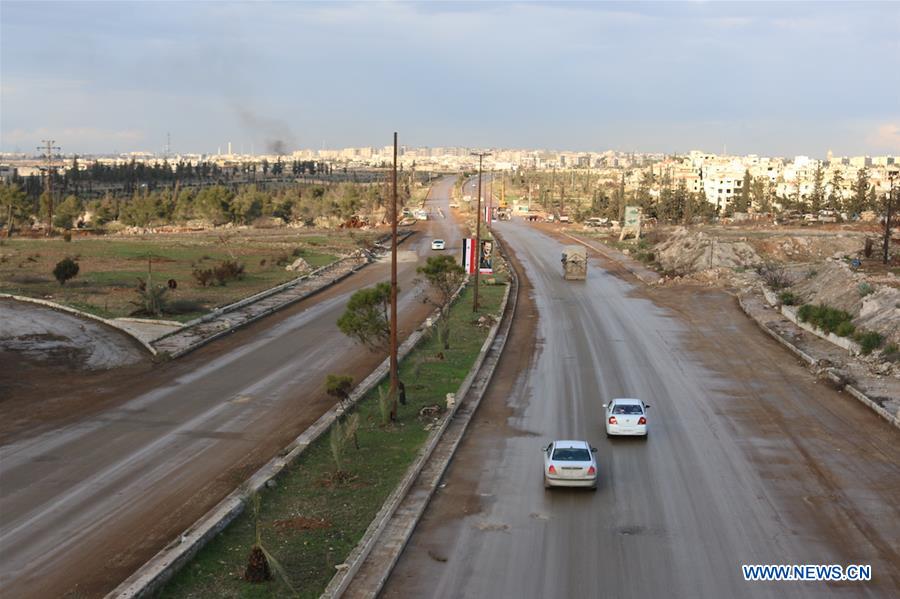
[
  {"x": 437, "y": 244},
  {"x": 570, "y": 464},
  {"x": 626, "y": 416}
]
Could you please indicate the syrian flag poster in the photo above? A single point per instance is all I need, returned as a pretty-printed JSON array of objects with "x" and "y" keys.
[{"x": 469, "y": 255}]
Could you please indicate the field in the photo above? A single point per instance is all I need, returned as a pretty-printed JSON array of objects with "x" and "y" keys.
[{"x": 111, "y": 266}]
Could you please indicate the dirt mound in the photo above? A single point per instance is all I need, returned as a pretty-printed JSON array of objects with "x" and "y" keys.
[
  {"x": 805, "y": 248},
  {"x": 874, "y": 307},
  {"x": 688, "y": 252}
]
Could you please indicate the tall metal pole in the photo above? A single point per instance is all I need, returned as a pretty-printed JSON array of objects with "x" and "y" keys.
[
  {"x": 394, "y": 362},
  {"x": 887, "y": 218},
  {"x": 477, "y": 251},
  {"x": 49, "y": 147}
]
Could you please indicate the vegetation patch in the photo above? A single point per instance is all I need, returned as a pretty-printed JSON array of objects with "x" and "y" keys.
[
  {"x": 202, "y": 270},
  {"x": 830, "y": 320},
  {"x": 311, "y": 520}
]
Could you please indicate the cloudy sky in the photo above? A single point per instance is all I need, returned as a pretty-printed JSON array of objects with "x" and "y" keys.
[{"x": 769, "y": 78}]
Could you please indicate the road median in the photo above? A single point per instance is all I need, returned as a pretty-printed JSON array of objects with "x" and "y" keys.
[{"x": 311, "y": 519}]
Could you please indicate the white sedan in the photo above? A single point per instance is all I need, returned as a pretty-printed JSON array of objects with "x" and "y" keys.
[
  {"x": 570, "y": 464},
  {"x": 626, "y": 416},
  {"x": 437, "y": 244}
]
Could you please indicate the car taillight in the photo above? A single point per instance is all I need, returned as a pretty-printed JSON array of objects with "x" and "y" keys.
[
  {"x": 642, "y": 420},
  {"x": 612, "y": 420},
  {"x": 551, "y": 469},
  {"x": 592, "y": 470}
]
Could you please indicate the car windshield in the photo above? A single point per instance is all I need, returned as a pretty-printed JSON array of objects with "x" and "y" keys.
[
  {"x": 572, "y": 454},
  {"x": 627, "y": 409}
]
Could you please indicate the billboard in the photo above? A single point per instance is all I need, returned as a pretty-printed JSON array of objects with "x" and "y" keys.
[
  {"x": 486, "y": 257},
  {"x": 483, "y": 258}
]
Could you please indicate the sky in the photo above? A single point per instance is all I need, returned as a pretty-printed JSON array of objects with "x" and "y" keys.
[{"x": 769, "y": 78}]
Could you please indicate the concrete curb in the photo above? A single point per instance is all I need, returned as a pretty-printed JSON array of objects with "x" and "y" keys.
[
  {"x": 640, "y": 275},
  {"x": 111, "y": 323},
  {"x": 830, "y": 373},
  {"x": 344, "y": 578},
  {"x": 169, "y": 560},
  {"x": 810, "y": 361}
]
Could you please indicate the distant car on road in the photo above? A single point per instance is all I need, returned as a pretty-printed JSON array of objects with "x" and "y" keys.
[
  {"x": 437, "y": 244},
  {"x": 570, "y": 464},
  {"x": 454, "y": 205},
  {"x": 626, "y": 416}
]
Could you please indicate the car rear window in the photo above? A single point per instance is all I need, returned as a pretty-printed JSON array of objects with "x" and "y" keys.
[
  {"x": 572, "y": 454},
  {"x": 628, "y": 409}
]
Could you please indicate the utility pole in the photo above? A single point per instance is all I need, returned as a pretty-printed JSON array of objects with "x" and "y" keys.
[
  {"x": 477, "y": 256},
  {"x": 47, "y": 147},
  {"x": 887, "y": 217},
  {"x": 490, "y": 211},
  {"x": 395, "y": 378}
]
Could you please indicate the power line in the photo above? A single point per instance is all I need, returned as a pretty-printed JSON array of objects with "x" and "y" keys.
[{"x": 47, "y": 147}]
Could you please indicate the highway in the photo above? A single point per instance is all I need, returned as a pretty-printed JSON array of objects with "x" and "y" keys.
[
  {"x": 749, "y": 459},
  {"x": 85, "y": 504}
]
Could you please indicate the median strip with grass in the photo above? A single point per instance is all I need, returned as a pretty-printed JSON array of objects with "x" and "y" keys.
[{"x": 323, "y": 503}]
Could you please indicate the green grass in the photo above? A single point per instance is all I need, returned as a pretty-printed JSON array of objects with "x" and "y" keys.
[
  {"x": 304, "y": 490},
  {"x": 111, "y": 265}
]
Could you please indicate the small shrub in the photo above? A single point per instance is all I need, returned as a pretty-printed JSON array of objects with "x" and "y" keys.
[
  {"x": 774, "y": 276},
  {"x": 787, "y": 298},
  {"x": 811, "y": 273},
  {"x": 868, "y": 341},
  {"x": 67, "y": 236},
  {"x": 228, "y": 270},
  {"x": 151, "y": 299},
  {"x": 65, "y": 269},
  {"x": 203, "y": 276},
  {"x": 184, "y": 306},
  {"x": 282, "y": 260},
  {"x": 825, "y": 317},
  {"x": 864, "y": 289},
  {"x": 298, "y": 252},
  {"x": 845, "y": 329}
]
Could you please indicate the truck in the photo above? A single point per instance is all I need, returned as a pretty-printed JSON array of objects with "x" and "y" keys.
[{"x": 574, "y": 263}]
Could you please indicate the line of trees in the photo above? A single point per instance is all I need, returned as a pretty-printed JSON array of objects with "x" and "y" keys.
[{"x": 216, "y": 204}]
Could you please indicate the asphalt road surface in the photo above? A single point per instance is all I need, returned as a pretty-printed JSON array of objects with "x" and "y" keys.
[
  {"x": 83, "y": 505},
  {"x": 749, "y": 460}
]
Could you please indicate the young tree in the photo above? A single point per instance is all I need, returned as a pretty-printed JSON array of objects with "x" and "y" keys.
[
  {"x": 13, "y": 205},
  {"x": 444, "y": 276},
  {"x": 758, "y": 198},
  {"x": 65, "y": 269},
  {"x": 857, "y": 201},
  {"x": 741, "y": 201},
  {"x": 66, "y": 212},
  {"x": 835, "y": 194},
  {"x": 366, "y": 318},
  {"x": 817, "y": 199}
]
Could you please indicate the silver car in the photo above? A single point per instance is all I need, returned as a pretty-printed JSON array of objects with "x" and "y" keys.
[
  {"x": 570, "y": 464},
  {"x": 626, "y": 416}
]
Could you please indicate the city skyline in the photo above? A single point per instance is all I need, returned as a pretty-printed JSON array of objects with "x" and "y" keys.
[{"x": 777, "y": 79}]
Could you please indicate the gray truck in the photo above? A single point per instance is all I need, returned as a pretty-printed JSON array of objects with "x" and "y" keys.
[{"x": 574, "y": 263}]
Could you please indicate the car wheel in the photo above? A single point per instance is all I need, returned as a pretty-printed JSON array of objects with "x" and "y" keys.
[
  {"x": 608, "y": 436},
  {"x": 593, "y": 489}
]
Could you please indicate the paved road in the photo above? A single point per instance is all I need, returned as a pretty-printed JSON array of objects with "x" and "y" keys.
[
  {"x": 749, "y": 460},
  {"x": 83, "y": 505}
]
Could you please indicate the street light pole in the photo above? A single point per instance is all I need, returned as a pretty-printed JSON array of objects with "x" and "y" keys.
[
  {"x": 477, "y": 250},
  {"x": 394, "y": 360},
  {"x": 887, "y": 217}
]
